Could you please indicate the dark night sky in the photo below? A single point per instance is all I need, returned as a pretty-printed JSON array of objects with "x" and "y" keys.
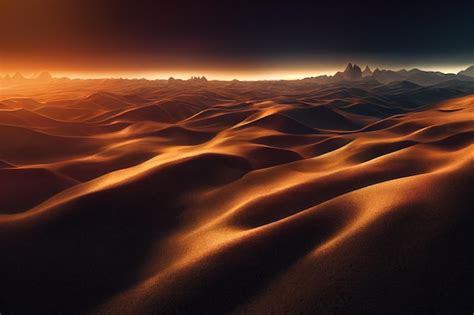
[{"x": 106, "y": 34}]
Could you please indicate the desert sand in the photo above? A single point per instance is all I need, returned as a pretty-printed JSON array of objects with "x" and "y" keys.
[{"x": 157, "y": 197}]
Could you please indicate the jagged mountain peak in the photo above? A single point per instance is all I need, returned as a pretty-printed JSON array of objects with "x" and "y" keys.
[{"x": 367, "y": 72}]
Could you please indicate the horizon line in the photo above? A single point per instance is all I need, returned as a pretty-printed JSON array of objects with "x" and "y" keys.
[{"x": 213, "y": 75}]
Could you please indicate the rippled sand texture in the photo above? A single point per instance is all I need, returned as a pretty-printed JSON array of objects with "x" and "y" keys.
[{"x": 140, "y": 197}]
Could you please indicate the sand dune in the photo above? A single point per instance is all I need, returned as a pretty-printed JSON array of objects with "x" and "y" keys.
[{"x": 151, "y": 197}]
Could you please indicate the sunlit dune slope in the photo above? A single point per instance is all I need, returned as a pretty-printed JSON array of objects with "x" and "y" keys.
[{"x": 140, "y": 197}]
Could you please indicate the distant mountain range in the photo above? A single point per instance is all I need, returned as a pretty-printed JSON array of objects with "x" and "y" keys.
[
  {"x": 351, "y": 73},
  {"x": 18, "y": 78},
  {"x": 420, "y": 77}
]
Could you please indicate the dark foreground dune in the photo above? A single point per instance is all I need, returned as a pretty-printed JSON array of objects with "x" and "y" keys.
[{"x": 139, "y": 197}]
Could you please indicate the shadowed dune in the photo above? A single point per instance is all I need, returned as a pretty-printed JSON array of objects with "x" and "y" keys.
[
  {"x": 24, "y": 188},
  {"x": 24, "y": 145},
  {"x": 154, "y": 197},
  {"x": 277, "y": 122},
  {"x": 326, "y": 118}
]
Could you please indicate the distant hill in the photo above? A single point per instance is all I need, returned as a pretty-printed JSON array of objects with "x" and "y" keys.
[
  {"x": 387, "y": 76},
  {"x": 468, "y": 72},
  {"x": 17, "y": 77}
]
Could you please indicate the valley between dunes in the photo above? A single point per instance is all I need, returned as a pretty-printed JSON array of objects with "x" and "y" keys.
[{"x": 141, "y": 197}]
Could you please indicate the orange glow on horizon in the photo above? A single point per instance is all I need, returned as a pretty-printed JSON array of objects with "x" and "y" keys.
[
  {"x": 209, "y": 74},
  {"x": 183, "y": 74},
  {"x": 222, "y": 70}
]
